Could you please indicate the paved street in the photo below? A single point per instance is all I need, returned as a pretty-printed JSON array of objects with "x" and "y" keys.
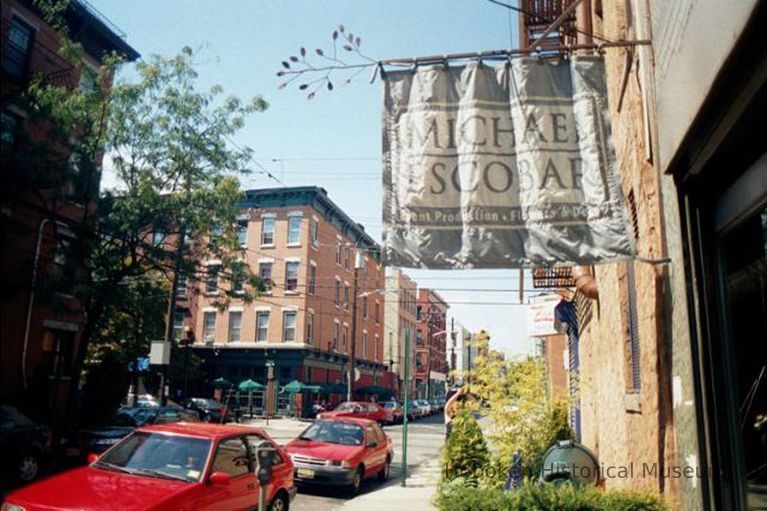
[{"x": 425, "y": 439}]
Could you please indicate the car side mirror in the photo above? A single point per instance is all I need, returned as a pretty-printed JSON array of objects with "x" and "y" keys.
[
  {"x": 92, "y": 458},
  {"x": 372, "y": 444},
  {"x": 220, "y": 479}
]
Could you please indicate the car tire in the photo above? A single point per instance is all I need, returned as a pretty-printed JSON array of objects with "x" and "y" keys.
[
  {"x": 383, "y": 475},
  {"x": 359, "y": 476},
  {"x": 279, "y": 503},
  {"x": 28, "y": 467}
]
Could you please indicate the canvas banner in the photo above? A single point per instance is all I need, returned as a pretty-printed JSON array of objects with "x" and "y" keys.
[{"x": 501, "y": 167}]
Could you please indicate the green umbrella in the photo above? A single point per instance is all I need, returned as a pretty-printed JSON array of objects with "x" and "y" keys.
[
  {"x": 337, "y": 388},
  {"x": 221, "y": 383},
  {"x": 294, "y": 387},
  {"x": 250, "y": 386}
]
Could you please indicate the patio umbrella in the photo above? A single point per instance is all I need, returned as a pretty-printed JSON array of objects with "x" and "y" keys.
[
  {"x": 294, "y": 387},
  {"x": 250, "y": 386},
  {"x": 221, "y": 383}
]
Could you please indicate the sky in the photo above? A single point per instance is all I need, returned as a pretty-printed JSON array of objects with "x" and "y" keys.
[{"x": 334, "y": 140}]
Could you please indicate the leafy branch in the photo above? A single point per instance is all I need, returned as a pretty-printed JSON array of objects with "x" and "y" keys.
[{"x": 325, "y": 63}]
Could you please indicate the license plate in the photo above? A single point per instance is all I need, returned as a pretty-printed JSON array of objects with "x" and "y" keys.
[{"x": 305, "y": 473}]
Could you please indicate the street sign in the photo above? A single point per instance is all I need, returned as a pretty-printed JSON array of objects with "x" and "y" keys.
[{"x": 159, "y": 353}]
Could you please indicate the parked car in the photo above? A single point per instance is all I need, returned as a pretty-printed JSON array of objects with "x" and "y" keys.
[
  {"x": 412, "y": 410},
  {"x": 362, "y": 410},
  {"x": 209, "y": 410},
  {"x": 437, "y": 404},
  {"x": 24, "y": 444},
  {"x": 424, "y": 408},
  {"x": 395, "y": 410},
  {"x": 342, "y": 451},
  {"x": 167, "y": 467},
  {"x": 128, "y": 418}
]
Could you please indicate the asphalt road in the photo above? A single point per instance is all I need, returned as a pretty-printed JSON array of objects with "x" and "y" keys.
[{"x": 425, "y": 439}]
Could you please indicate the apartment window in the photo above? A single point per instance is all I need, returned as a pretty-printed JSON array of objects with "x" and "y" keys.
[
  {"x": 158, "y": 238},
  {"x": 267, "y": 230},
  {"x": 338, "y": 253},
  {"x": 242, "y": 232},
  {"x": 60, "y": 256},
  {"x": 289, "y": 325},
  {"x": 209, "y": 326},
  {"x": 181, "y": 285},
  {"x": 418, "y": 338},
  {"x": 294, "y": 230},
  {"x": 364, "y": 344},
  {"x": 291, "y": 276},
  {"x": 235, "y": 326},
  {"x": 265, "y": 275},
  {"x": 211, "y": 280},
  {"x": 335, "y": 336},
  {"x": 178, "y": 325},
  {"x": 377, "y": 312},
  {"x": 238, "y": 277},
  {"x": 345, "y": 338},
  {"x": 10, "y": 128},
  {"x": 338, "y": 292},
  {"x": 635, "y": 383},
  {"x": 262, "y": 326},
  {"x": 347, "y": 258},
  {"x": 374, "y": 354},
  {"x": 312, "y": 278},
  {"x": 18, "y": 48},
  {"x": 88, "y": 79},
  {"x": 314, "y": 234},
  {"x": 310, "y": 327},
  {"x": 215, "y": 234},
  {"x": 364, "y": 307},
  {"x": 346, "y": 296}
]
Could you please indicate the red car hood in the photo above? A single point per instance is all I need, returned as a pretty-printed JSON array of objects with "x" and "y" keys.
[
  {"x": 89, "y": 489},
  {"x": 322, "y": 450}
]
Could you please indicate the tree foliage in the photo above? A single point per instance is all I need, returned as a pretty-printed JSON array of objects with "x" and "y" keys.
[
  {"x": 169, "y": 153},
  {"x": 521, "y": 416}
]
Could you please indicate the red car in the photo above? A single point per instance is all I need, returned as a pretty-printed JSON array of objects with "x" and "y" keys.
[
  {"x": 179, "y": 466},
  {"x": 362, "y": 410},
  {"x": 341, "y": 451}
]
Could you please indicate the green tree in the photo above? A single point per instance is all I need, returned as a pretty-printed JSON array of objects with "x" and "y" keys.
[
  {"x": 168, "y": 146},
  {"x": 522, "y": 417}
]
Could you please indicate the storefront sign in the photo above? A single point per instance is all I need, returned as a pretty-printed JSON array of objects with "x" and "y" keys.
[{"x": 501, "y": 167}]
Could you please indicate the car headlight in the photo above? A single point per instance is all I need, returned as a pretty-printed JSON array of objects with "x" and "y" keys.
[
  {"x": 341, "y": 463},
  {"x": 12, "y": 507}
]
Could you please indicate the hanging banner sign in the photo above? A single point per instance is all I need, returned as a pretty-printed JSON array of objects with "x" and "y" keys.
[{"x": 501, "y": 167}]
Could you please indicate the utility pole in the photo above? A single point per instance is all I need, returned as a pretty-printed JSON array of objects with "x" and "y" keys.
[
  {"x": 171, "y": 312},
  {"x": 357, "y": 265},
  {"x": 405, "y": 395}
]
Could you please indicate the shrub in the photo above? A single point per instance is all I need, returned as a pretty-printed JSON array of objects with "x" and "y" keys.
[
  {"x": 459, "y": 496},
  {"x": 465, "y": 454}
]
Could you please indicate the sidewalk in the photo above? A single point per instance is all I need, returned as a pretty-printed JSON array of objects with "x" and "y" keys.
[{"x": 417, "y": 496}]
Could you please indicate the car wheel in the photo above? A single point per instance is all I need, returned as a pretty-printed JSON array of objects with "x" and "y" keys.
[
  {"x": 28, "y": 467},
  {"x": 280, "y": 503},
  {"x": 357, "y": 482},
  {"x": 383, "y": 475}
]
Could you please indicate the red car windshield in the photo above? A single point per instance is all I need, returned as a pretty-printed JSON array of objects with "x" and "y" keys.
[
  {"x": 334, "y": 433},
  {"x": 158, "y": 455}
]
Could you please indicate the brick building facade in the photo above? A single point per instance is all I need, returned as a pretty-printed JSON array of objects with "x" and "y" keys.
[
  {"x": 430, "y": 353},
  {"x": 40, "y": 214},
  {"x": 304, "y": 248},
  {"x": 665, "y": 373},
  {"x": 400, "y": 317}
]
